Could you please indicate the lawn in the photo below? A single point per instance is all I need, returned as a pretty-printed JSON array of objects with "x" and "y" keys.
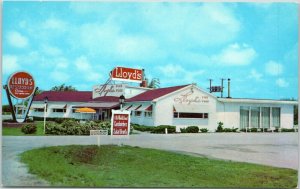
[
  {"x": 13, "y": 131},
  {"x": 125, "y": 166}
]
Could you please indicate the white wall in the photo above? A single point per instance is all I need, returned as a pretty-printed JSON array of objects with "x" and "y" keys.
[
  {"x": 229, "y": 113},
  {"x": 141, "y": 120},
  {"x": 164, "y": 110},
  {"x": 132, "y": 91}
]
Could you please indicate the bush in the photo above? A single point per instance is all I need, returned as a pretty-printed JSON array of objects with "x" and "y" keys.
[
  {"x": 253, "y": 130},
  {"x": 142, "y": 128},
  {"x": 183, "y": 130},
  {"x": 220, "y": 127},
  {"x": 161, "y": 129},
  {"x": 204, "y": 130},
  {"x": 55, "y": 119},
  {"x": 29, "y": 128},
  {"x": 287, "y": 130},
  {"x": 192, "y": 129}
]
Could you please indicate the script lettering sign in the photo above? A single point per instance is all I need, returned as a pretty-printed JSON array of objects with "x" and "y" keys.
[{"x": 127, "y": 74}]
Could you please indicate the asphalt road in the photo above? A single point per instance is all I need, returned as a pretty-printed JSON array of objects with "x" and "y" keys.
[{"x": 274, "y": 149}]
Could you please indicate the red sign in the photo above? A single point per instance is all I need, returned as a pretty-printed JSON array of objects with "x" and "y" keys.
[
  {"x": 127, "y": 74},
  {"x": 120, "y": 124},
  {"x": 21, "y": 85}
]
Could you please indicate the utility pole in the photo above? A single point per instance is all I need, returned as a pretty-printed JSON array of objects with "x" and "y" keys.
[
  {"x": 210, "y": 81},
  {"x": 222, "y": 79}
]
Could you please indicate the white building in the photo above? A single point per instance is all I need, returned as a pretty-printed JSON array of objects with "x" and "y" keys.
[{"x": 180, "y": 106}]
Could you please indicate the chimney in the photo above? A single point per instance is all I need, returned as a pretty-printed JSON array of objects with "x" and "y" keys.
[
  {"x": 229, "y": 88},
  {"x": 210, "y": 80}
]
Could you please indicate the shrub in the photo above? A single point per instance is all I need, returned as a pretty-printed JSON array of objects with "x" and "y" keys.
[
  {"x": 192, "y": 129},
  {"x": 29, "y": 128},
  {"x": 287, "y": 130},
  {"x": 142, "y": 128},
  {"x": 254, "y": 130},
  {"x": 183, "y": 130},
  {"x": 161, "y": 129},
  {"x": 220, "y": 127},
  {"x": 204, "y": 130}
]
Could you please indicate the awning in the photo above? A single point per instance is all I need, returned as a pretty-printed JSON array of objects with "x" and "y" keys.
[
  {"x": 132, "y": 108},
  {"x": 58, "y": 106},
  {"x": 127, "y": 106},
  {"x": 144, "y": 107},
  {"x": 98, "y": 105},
  {"x": 85, "y": 110},
  {"x": 191, "y": 108},
  {"x": 37, "y": 106}
]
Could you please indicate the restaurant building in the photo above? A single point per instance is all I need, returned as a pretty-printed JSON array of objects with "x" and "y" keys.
[{"x": 180, "y": 106}]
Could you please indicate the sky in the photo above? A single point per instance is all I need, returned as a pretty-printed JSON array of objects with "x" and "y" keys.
[{"x": 79, "y": 43}]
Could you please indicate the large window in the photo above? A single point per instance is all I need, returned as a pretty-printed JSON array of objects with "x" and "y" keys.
[
  {"x": 255, "y": 117},
  {"x": 244, "y": 117},
  {"x": 59, "y": 110},
  {"x": 265, "y": 117},
  {"x": 276, "y": 117},
  {"x": 190, "y": 115}
]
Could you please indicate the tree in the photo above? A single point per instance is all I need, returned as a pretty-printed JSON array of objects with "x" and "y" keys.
[
  {"x": 63, "y": 87},
  {"x": 154, "y": 83}
]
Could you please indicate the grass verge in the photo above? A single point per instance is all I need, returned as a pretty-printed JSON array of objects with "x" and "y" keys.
[
  {"x": 115, "y": 166},
  {"x": 14, "y": 131}
]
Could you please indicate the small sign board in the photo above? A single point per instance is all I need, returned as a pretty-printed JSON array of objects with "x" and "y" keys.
[
  {"x": 108, "y": 90},
  {"x": 98, "y": 132},
  {"x": 120, "y": 123},
  {"x": 127, "y": 74},
  {"x": 216, "y": 89},
  {"x": 21, "y": 85}
]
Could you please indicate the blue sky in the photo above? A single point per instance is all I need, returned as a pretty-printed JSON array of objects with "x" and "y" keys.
[{"x": 254, "y": 44}]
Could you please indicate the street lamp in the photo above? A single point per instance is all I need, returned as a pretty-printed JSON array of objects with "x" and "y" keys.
[
  {"x": 45, "y": 101},
  {"x": 121, "y": 100}
]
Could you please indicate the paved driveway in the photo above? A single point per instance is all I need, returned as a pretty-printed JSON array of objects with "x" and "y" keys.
[{"x": 275, "y": 149}]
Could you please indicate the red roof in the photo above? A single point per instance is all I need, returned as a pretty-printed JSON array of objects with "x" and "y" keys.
[
  {"x": 65, "y": 96},
  {"x": 153, "y": 94},
  {"x": 107, "y": 99}
]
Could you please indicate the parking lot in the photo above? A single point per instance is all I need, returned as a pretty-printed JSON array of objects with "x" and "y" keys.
[{"x": 274, "y": 149}]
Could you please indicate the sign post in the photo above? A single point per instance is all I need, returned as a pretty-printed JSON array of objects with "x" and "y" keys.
[{"x": 98, "y": 133}]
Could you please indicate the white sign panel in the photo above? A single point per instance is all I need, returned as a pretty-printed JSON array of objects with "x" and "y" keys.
[
  {"x": 120, "y": 123},
  {"x": 108, "y": 90}
]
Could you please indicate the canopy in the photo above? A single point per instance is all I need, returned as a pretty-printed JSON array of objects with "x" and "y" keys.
[{"x": 85, "y": 110}]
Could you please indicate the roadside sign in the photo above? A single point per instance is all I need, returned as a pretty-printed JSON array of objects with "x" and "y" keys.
[
  {"x": 21, "y": 85},
  {"x": 120, "y": 123},
  {"x": 98, "y": 133},
  {"x": 127, "y": 74}
]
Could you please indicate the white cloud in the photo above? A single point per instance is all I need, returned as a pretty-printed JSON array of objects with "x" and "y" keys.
[
  {"x": 171, "y": 70},
  {"x": 54, "y": 24},
  {"x": 60, "y": 76},
  {"x": 86, "y": 70},
  {"x": 16, "y": 39},
  {"x": 10, "y": 64},
  {"x": 255, "y": 75},
  {"x": 281, "y": 82},
  {"x": 273, "y": 68},
  {"x": 205, "y": 24},
  {"x": 235, "y": 55},
  {"x": 50, "y": 50}
]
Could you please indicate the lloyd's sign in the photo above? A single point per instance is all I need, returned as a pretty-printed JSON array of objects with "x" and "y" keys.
[
  {"x": 108, "y": 90},
  {"x": 120, "y": 123},
  {"x": 127, "y": 74},
  {"x": 21, "y": 86}
]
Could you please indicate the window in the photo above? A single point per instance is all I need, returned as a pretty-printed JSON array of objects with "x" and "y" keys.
[
  {"x": 137, "y": 113},
  {"x": 255, "y": 117},
  {"x": 265, "y": 117},
  {"x": 276, "y": 117},
  {"x": 244, "y": 117},
  {"x": 59, "y": 110},
  {"x": 190, "y": 115},
  {"x": 74, "y": 110},
  {"x": 39, "y": 109},
  {"x": 148, "y": 114}
]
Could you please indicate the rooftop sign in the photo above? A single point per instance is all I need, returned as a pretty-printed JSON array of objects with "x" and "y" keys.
[
  {"x": 108, "y": 90},
  {"x": 127, "y": 74},
  {"x": 21, "y": 85}
]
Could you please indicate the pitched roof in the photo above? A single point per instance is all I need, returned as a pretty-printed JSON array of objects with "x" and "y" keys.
[
  {"x": 155, "y": 93},
  {"x": 107, "y": 99},
  {"x": 65, "y": 96}
]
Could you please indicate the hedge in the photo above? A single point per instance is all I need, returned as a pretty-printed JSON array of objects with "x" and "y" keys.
[
  {"x": 142, "y": 128},
  {"x": 192, "y": 129},
  {"x": 29, "y": 128},
  {"x": 161, "y": 129}
]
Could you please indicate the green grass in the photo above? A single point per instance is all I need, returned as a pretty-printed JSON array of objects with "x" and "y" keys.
[
  {"x": 114, "y": 166},
  {"x": 13, "y": 131}
]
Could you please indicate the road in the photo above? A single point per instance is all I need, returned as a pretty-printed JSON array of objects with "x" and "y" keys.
[{"x": 274, "y": 149}]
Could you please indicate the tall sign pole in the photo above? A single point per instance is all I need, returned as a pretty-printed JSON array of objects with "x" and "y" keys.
[{"x": 10, "y": 103}]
